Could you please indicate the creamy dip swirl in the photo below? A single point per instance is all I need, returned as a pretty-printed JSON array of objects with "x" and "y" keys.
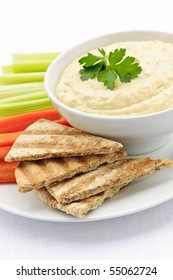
[{"x": 150, "y": 92}]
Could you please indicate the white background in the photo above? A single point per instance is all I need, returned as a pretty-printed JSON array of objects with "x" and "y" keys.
[{"x": 56, "y": 25}]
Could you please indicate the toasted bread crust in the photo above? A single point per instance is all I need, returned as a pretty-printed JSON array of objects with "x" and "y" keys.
[
  {"x": 81, "y": 207},
  {"x": 35, "y": 174},
  {"x": 46, "y": 139},
  {"x": 105, "y": 177}
]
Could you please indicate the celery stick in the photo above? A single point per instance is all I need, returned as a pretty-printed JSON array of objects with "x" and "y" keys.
[
  {"x": 7, "y": 69},
  {"x": 24, "y": 106},
  {"x": 10, "y": 88},
  {"x": 21, "y": 78},
  {"x": 31, "y": 66},
  {"x": 18, "y": 57},
  {"x": 20, "y": 92},
  {"x": 24, "y": 97},
  {"x": 32, "y": 109},
  {"x": 13, "y": 106},
  {"x": 26, "y": 110}
]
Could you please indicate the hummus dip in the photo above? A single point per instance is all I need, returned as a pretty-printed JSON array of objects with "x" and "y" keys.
[{"x": 150, "y": 92}]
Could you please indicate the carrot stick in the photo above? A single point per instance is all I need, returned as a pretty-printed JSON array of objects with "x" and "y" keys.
[
  {"x": 4, "y": 151},
  {"x": 7, "y": 177},
  {"x": 62, "y": 121},
  {"x": 21, "y": 122},
  {"x": 8, "y": 166},
  {"x": 7, "y": 139},
  {"x": 7, "y": 172}
]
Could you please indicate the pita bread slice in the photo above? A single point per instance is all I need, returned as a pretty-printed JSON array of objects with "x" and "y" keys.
[
  {"x": 81, "y": 207},
  {"x": 35, "y": 174},
  {"x": 46, "y": 139},
  {"x": 78, "y": 208},
  {"x": 105, "y": 177}
]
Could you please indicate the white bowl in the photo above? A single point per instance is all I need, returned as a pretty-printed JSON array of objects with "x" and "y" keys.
[{"x": 138, "y": 134}]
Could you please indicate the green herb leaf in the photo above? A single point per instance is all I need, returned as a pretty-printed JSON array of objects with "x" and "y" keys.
[
  {"x": 116, "y": 56},
  {"x": 107, "y": 68},
  {"x": 128, "y": 69},
  {"x": 90, "y": 72},
  {"x": 107, "y": 77},
  {"x": 102, "y": 51},
  {"x": 89, "y": 60}
]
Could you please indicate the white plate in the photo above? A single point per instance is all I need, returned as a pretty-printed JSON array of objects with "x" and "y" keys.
[{"x": 142, "y": 194}]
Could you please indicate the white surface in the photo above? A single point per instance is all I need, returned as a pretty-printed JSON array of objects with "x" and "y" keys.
[{"x": 52, "y": 25}]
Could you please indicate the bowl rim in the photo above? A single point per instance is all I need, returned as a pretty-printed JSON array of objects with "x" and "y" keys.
[{"x": 55, "y": 100}]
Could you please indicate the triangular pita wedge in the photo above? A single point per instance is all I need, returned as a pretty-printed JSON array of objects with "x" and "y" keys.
[
  {"x": 78, "y": 208},
  {"x": 35, "y": 174},
  {"x": 46, "y": 139},
  {"x": 81, "y": 207},
  {"x": 105, "y": 177}
]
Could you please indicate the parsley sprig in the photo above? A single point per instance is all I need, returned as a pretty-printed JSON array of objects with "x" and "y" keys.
[{"x": 106, "y": 68}]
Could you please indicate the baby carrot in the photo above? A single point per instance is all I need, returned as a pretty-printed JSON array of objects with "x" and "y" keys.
[
  {"x": 8, "y": 166},
  {"x": 7, "y": 172},
  {"x": 4, "y": 151},
  {"x": 7, "y": 139},
  {"x": 7, "y": 177},
  {"x": 21, "y": 122}
]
